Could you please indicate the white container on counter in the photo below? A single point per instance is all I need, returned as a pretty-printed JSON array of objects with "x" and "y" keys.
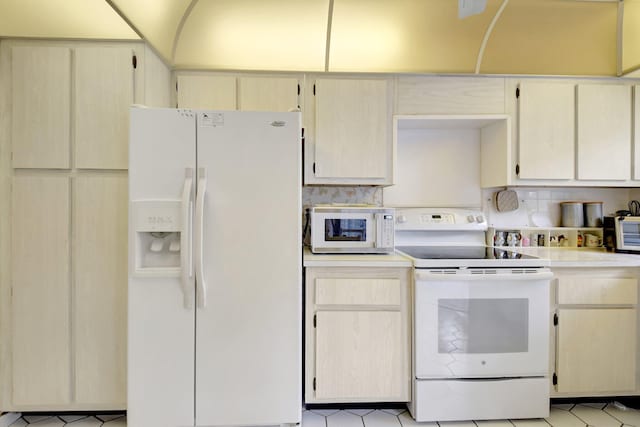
[{"x": 593, "y": 214}]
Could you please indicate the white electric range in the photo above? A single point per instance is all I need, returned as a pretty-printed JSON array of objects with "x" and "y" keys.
[{"x": 481, "y": 320}]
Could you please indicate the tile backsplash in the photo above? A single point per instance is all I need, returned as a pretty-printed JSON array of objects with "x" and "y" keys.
[
  {"x": 540, "y": 207},
  {"x": 354, "y": 195}
]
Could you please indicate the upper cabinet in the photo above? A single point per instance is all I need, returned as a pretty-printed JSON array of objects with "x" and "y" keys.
[
  {"x": 546, "y": 132},
  {"x": 104, "y": 75},
  {"x": 351, "y": 142},
  {"x": 206, "y": 91},
  {"x": 268, "y": 93},
  {"x": 604, "y": 132},
  {"x": 40, "y": 104},
  {"x": 636, "y": 132}
]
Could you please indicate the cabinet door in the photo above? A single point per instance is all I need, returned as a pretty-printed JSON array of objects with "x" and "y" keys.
[
  {"x": 352, "y": 129},
  {"x": 207, "y": 92},
  {"x": 604, "y": 132},
  {"x": 546, "y": 131},
  {"x": 596, "y": 350},
  {"x": 359, "y": 355},
  {"x": 268, "y": 93},
  {"x": 103, "y": 96},
  {"x": 100, "y": 268},
  {"x": 41, "y": 300},
  {"x": 636, "y": 133},
  {"x": 40, "y": 88}
]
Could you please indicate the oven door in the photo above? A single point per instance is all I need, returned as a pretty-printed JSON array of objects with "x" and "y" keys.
[
  {"x": 482, "y": 323},
  {"x": 343, "y": 232}
]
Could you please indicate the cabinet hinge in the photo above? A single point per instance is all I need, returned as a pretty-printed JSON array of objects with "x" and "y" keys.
[
  {"x": 314, "y": 167},
  {"x": 314, "y": 88},
  {"x": 517, "y": 169},
  {"x": 517, "y": 92},
  {"x": 555, "y": 319},
  {"x": 314, "y": 383},
  {"x": 554, "y": 379},
  {"x": 315, "y": 320},
  {"x": 134, "y": 61},
  {"x": 298, "y": 89}
]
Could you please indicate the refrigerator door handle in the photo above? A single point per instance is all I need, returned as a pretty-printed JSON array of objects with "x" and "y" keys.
[
  {"x": 186, "y": 248},
  {"x": 201, "y": 293}
]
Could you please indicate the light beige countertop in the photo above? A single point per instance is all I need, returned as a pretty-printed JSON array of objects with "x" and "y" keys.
[
  {"x": 354, "y": 260},
  {"x": 582, "y": 257}
]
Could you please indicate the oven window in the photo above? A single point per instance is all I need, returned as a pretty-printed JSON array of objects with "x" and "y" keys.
[
  {"x": 345, "y": 230},
  {"x": 491, "y": 325},
  {"x": 631, "y": 233}
]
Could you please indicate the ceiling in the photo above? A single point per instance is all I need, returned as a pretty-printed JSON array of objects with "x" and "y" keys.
[{"x": 539, "y": 37}]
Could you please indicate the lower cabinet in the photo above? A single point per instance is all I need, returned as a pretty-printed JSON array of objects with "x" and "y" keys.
[
  {"x": 357, "y": 345},
  {"x": 596, "y": 332}
]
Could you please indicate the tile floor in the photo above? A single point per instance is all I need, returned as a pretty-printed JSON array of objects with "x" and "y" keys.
[{"x": 562, "y": 415}]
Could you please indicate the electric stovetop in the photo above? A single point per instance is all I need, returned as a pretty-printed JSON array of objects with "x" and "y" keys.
[{"x": 436, "y": 256}]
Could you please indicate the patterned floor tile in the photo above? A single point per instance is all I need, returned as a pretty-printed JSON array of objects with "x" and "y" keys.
[
  {"x": 407, "y": 421},
  {"x": 395, "y": 411},
  {"x": 597, "y": 405},
  {"x": 20, "y": 422},
  {"x": 118, "y": 422},
  {"x": 594, "y": 417},
  {"x": 457, "y": 424},
  {"x": 311, "y": 419},
  {"x": 563, "y": 418},
  {"x": 71, "y": 418},
  {"x": 360, "y": 412},
  {"x": 494, "y": 423},
  {"x": 381, "y": 419},
  {"x": 108, "y": 417},
  {"x": 50, "y": 422},
  {"x": 32, "y": 419},
  {"x": 628, "y": 416},
  {"x": 325, "y": 412},
  {"x": 535, "y": 422},
  {"x": 344, "y": 419},
  {"x": 86, "y": 422},
  {"x": 564, "y": 406}
]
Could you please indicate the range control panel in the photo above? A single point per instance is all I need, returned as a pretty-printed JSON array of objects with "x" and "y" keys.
[{"x": 440, "y": 219}]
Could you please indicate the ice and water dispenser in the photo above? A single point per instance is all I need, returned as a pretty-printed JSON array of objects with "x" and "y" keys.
[{"x": 158, "y": 227}]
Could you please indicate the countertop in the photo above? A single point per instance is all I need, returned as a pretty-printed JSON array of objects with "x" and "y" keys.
[
  {"x": 582, "y": 257},
  {"x": 558, "y": 257},
  {"x": 354, "y": 260}
]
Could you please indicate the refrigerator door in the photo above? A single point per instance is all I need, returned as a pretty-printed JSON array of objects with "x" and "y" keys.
[
  {"x": 248, "y": 328},
  {"x": 161, "y": 326}
]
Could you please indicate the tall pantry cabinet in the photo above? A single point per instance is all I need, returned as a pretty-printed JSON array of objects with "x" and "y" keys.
[{"x": 64, "y": 111}]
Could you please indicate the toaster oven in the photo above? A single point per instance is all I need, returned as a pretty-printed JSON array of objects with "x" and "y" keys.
[{"x": 622, "y": 233}]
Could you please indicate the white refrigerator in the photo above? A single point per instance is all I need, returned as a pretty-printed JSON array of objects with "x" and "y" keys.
[{"x": 214, "y": 268}]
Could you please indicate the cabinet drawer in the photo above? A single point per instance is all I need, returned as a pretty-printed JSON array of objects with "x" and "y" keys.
[
  {"x": 597, "y": 290},
  {"x": 358, "y": 291}
]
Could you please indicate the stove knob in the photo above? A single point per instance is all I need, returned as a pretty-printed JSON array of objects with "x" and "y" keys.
[
  {"x": 471, "y": 218},
  {"x": 402, "y": 219},
  {"x": 480, "y": 218}
]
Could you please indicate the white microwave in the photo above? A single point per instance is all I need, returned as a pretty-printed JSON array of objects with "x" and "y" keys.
[{"x": 352, "y": 229}]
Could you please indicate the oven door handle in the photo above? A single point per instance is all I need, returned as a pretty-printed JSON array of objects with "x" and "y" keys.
[{"x": 470, "y": 277}]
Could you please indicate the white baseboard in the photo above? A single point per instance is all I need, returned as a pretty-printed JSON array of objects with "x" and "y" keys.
[{"x": 9, "y": 418}]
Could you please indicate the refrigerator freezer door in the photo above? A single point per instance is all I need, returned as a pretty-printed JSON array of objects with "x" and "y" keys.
[
  {"x": 161, "y": 330},
  {"x": 248, "y": 345}
]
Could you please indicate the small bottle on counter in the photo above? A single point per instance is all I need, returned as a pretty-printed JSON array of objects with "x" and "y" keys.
[{"x": 579, "y": 240}]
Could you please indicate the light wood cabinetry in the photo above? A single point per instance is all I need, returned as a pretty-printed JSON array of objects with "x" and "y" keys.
[
  {"x": 40, "y": 265},
  {"x": 206, "y": 91},
  {"x": 103, "y": 94},
  {"x": 40, "y": 101},
  {"x": 596, "y": 332},
  {"x": 546, "y": 137},
  {"x": 100, "y": 315},
  {"x": 357, "y": 335},
  {"x": 636, "y": 132},
  {"x": 351, "y": 142},
  {"x": 266, "y": 93},
  {"x": 603, "y": 132},
  {"x": 63, "y": 306}
]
